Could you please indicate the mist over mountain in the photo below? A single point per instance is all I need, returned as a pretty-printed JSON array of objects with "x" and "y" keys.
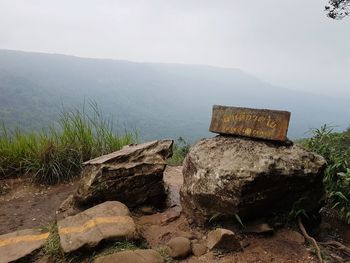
[{"x": 158, "y": 100}]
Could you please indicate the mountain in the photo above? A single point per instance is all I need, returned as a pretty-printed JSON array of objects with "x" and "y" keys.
[{"x": 159, "y": 100}]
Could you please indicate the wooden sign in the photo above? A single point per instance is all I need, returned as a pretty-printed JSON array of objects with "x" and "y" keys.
[{"x": 256, "y": 123}]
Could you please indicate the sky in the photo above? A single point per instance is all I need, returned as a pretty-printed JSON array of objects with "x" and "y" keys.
[{"x": 286, "y": 43}]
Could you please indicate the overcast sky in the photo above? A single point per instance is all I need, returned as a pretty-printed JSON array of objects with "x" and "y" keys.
[{"x": 289, "y": 43}]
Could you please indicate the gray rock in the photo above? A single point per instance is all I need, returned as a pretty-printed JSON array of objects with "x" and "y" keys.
[
  {"x": 107, "y": 221},
  {"x": 234, "y": 175},
  {"x": 132, "y": 256},
  {"x": 223, "y": 239},
  {"x": 133, "y": 175},
  {"x": 179, "y": 247}
]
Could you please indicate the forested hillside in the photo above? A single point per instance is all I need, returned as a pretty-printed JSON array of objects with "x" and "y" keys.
[{"x": 157, "y": 100}]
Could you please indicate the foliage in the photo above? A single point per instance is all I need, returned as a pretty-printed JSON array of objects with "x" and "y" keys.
[
  {"x": 57, "y": 154},
  {"x": 338, "y": 9},
  {"x": 162, "y": 250},
  {"x": 180, "y": 150},
  {"x": 298, "y": 210},
  {"x": 52, "y": 246},
  {"x": 335, "y": 147},
  {"x": 239, "y": 220}
]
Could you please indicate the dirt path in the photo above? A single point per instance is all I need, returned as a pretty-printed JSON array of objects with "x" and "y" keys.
[{"x": 28, "y": 206}]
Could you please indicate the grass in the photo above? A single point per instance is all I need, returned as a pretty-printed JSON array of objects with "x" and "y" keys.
[
  {"x": 335, "y": 148},
  {"x": 162, "y": 250},
  {"x": 57, "y": 154},
  {"x": 52, "y": 246},
  {"x": 180, "y": 150}
]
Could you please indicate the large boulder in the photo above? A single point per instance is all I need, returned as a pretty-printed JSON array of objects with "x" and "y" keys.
[
  {"x": 133, "y": 175},
  {"x": 228, "y": 175}
]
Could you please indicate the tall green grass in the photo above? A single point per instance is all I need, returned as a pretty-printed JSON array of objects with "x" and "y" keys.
[
  {"x": 57, "y": 154},
  {"x": 335, "y": 148},
  {"x": 180, "y": 150}
]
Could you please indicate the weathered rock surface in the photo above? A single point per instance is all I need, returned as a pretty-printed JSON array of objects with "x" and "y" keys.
[
  {"x": 258, "y": 228},
  {"x": 179, "y": 247},
  {"x": 132, "y": 256},
  {"x": 19, "y": 244},
  {"x": 223, "y": 239},
  {"x": 109, "y": 220},
  {"x": 199, "y": 249},
  {"x": 133, "y": 175},
  {"x": 229, "y": 175}
]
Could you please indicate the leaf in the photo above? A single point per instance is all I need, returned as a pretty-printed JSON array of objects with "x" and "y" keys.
[
  {"x": 239, "y": 220},
  {"x": 342, "y": 196},
  {"x": 215, "y": 216}
]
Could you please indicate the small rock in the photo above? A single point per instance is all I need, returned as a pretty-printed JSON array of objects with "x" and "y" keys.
[
  {"x": 147, "y": 210},
  {"x": 179, "y": 247},
  {"x": 198, "y": 249},
  {"x": 132, "y": 256},
  {"x": 261, "y": 228},
  {"x": 223, "y": 239}
]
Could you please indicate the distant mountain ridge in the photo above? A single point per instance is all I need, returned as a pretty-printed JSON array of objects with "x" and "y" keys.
[{"x": 158, "y": 100}]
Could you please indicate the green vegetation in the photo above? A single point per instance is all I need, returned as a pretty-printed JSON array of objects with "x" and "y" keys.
[
  {"x": 159, "y": 100},
  {"x": 163, "y": 252},
  {"x": 52, "y": 246},
  {"x": 335, "y": 147},
  {"x": 57, "y": 154},
  {"x": 180, "y": 150}
]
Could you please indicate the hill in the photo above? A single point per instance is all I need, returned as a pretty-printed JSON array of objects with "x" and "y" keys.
[{"x": 158, "y": 100}]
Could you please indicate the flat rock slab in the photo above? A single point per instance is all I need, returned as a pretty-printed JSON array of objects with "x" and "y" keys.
[
  {"x": 133, "y": 175},
  {"x": 19, "y": 244},
  {"x": 109, "y": 220},
  {"x": 132, "y": 256},
  {"x": 256, "y": 123}
]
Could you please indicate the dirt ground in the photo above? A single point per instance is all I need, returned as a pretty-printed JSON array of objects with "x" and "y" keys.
[{"x": 27, "y": 206}]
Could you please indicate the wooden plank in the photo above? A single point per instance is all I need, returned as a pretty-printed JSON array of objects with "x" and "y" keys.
[{"x": 256, "y": 123}]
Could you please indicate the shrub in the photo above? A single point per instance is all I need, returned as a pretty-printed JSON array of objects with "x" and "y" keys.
[
  {"x": 335, "y": 148},
  {"x": 57, "y": 154}
]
